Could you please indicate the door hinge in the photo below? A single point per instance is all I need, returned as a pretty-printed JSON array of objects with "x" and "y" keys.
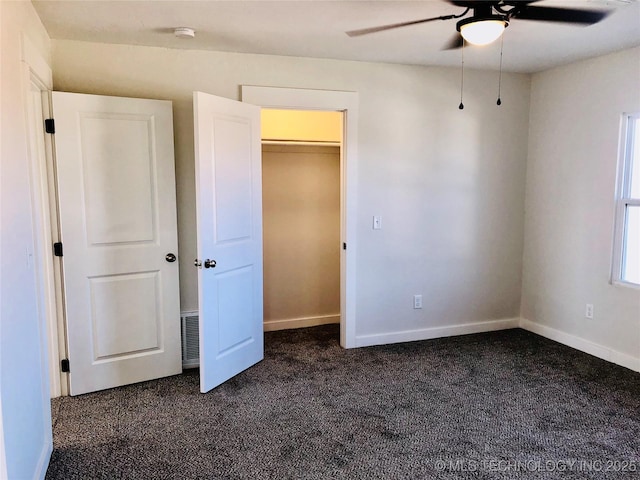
[
  {"x": 57, "y": 249},
  {"x": 64, "y": 365},
  {"x": 50, "y": 125},
  {"x": 344, "y": 246}
]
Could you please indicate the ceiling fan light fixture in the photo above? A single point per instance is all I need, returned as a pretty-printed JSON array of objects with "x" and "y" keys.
[{"x": 482, "y": 31}]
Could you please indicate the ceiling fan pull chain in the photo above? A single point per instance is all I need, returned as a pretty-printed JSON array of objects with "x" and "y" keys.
[
  {"x": 461, "y": 106},
  {"x": 499, "y": 102}
]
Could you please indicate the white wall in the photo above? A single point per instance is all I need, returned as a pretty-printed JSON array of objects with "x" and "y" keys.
[
  {"x": 571, "y": 177},
  {"x": 25, "y": 409},
  {"x": 449, "y": 184}
]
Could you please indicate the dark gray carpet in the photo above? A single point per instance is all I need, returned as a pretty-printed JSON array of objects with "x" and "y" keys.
[{"x": 498, "y": 405}]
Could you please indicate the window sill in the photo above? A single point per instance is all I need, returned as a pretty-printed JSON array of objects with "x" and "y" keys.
[{"x": 622, "y": 283}]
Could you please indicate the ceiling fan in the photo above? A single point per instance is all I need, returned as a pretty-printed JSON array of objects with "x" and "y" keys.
[{"x": 489, "y": 19}]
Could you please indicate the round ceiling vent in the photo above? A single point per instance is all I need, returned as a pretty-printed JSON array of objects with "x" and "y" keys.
[{"x": 184, "y": 32}]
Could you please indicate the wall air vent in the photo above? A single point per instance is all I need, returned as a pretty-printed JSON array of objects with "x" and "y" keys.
[{"x": 190, "y": 340}]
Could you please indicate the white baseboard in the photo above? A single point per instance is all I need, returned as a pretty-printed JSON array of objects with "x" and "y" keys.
[
  {"x": 435, "y": 332},
  {"x": 272, "y": 325},
  {"x": 583, "y": 345},
  {"x": 45, "y": 457}
]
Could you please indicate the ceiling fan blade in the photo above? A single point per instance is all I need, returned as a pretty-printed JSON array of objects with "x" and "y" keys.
[
  {"x": 365, "y": 31},
  {"x": 455, "y": 42},
  {"x": 566, "y": 15}
]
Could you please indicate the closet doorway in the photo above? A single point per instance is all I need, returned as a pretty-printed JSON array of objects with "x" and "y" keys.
[{"x": 301, "y": 184}]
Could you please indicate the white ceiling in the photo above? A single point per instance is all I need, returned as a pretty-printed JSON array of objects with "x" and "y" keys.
[{"x": 307, "y": 28}]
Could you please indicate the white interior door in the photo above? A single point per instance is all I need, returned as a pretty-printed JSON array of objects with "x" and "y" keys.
[
  {"x": 116, "y": 186},
  {"x": 229, "y": 215}
]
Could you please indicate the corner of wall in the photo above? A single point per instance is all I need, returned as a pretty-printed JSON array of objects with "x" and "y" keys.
[
  {"x": 586, "y": 346},
  {"x": 570, "y": 181}
]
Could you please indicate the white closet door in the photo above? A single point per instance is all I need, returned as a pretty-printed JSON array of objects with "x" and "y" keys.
[
  {"x": 115, "y": 167},
  {"x": 229, "y": 215}
]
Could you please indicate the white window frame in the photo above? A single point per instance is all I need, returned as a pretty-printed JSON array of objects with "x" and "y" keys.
[{"x": 623, "y": 194}]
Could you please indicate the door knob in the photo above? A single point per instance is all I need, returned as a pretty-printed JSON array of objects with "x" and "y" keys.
[
  {"x": 170, "y": 257},
  {"x": 197, "y": 263},
  {"x": 209, "y": 263}
]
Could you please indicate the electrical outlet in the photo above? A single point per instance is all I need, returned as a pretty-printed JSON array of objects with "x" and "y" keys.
[
  {"x": 417, "y": 301},
  {"x": 588, "y": 312}
]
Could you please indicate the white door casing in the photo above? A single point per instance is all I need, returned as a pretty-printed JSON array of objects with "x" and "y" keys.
[
  {"x": 116, "y": 184},
  {"x": 229, "y": 219},
  {"x": 38, "y": 103},
  {"x": 25, "y": 391}
]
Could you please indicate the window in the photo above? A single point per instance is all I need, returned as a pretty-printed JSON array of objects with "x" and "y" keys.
[{"x": 626, "y": 261}]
